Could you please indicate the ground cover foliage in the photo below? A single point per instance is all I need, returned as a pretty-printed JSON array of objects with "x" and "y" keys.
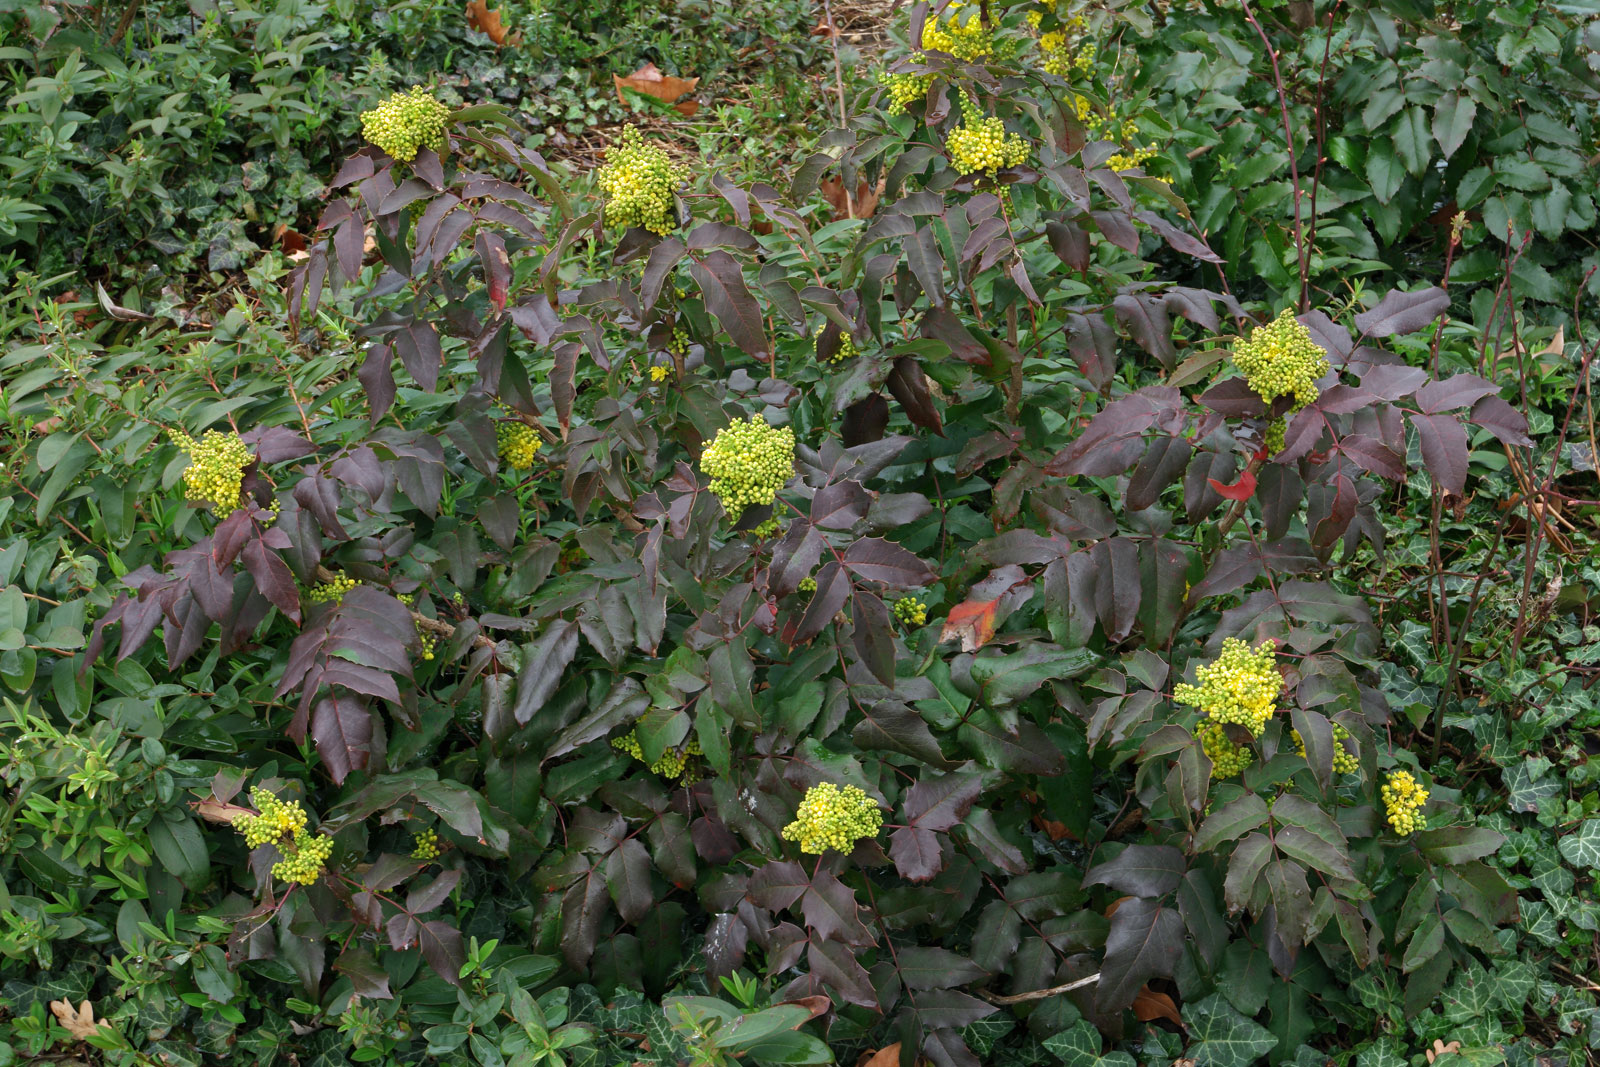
[{"x": 445, "y": 713}]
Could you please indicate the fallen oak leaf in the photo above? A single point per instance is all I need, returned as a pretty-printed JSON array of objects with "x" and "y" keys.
[
  {"x": 860, "y": 206},
  {"x": 650, "y": 81},
  {"x": 480, "y": 18},
  {"x": 79, "y": 1022}
]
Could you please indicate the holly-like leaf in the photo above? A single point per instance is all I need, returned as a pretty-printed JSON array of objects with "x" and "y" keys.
[
  {"x": 1444, "y": 449},
  {"x": 1145, "y": 941},
  {"x": 728, "y": 298},
  {"x": 1142, "y": 870},
  {"x": 1401, "y": 312},
  {"x": 874, "y": 559},
  {"x": 831, "y": 911}
]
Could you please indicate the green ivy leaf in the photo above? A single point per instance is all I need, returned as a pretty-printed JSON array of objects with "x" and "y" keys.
[
  {"x": 1223, "y": 1037},
  {"x": 1582, "y": 849}
]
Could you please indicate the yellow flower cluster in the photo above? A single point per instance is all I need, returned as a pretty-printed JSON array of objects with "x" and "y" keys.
[
  {"x": 906, "y": 88},
  {"x": 674, "y": 763},
  {"x": 517, "y": 443},
  {"x": 981, "y": 143},
  {"x": 808, "y": 585},
  {"x": 910, "y": 611},
  {"x": 960, "y": 32},
  {"x": 216, "y": 469},
  {"x": 1240, "y": 686},
  {"x": 406, "y": 122},
  {"x": 1272, "y": 440},
  {"x": 638, "y": 180},
  {"x": 303, "y": 863},
  {"x": 427, "y": 846},
  {"x": 659, "y": 374},
  {"x": 1227, "y": 758},
  {"x": 1124, "y": 132},
  {"x": 764, "y": 530},
  {"x": 748, "y": 462},
  {"x": 847, "y": 347},
  {"x": 831, "y": 817},
  {"x": 424, "y": 637},
  {"x": 1063, "y": 56},
  {"x": 1344, "y": 761},
  {"x": 323, "y": 592},
  {"x": 1403, "y": 800},
  {"x": 275, "y": 819},
  {"x": 1281, "y": 359}
]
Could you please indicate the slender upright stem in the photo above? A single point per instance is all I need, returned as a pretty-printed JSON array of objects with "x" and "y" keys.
[{"x": 1294, "y": 167}]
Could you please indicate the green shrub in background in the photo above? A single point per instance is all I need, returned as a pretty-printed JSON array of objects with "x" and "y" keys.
[
  {"x": 434, "y": 746},
  {"x": 186, "y": 138}
]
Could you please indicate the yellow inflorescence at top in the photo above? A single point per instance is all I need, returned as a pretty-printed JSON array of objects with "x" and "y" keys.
[
  {"x": 517, "y": 443},
  {"x": 1241, "y": 685},
  {"x": 1065, "y": 51},
  {"x": 748, "y": 462},
  {"x": 1124, "y": 132},
  {"x": 406, "y": 122},
  {"x": 283, "y": 824},
  {"x": 905, "y": 88},
  {"x": 674, "y": 763},
  {"x": 639, "y": 180},
  {"x": 831, "y": 817},
  {"x": 1227, "y": 758},
  {"x": 1344, "y": 761},
  {"x": 1403, "y": 800},
  {"x": 659, "y": 373},
  {"x": 1281, "y": 359},
  {"x": 216, "y": 469},
  {"x": 982, "y": 145},
  {"x": 960, "y": 32}
]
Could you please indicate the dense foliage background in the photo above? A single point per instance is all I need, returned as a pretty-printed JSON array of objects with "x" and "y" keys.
[{"x": 1015, "y": 404}]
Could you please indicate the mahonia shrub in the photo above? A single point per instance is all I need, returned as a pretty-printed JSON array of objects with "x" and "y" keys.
[{"x": 976, "y": 686}]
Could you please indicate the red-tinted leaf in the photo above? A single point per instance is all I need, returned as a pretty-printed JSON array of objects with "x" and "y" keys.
[
  {"x": 342, "y": 730},
  {"x": 1141, "y": 870},
  {"x": 496, "y": 267},
  {"x": 728, "y": 298},
  {"x": 872, "y": 635},
  {"x": 1146, "y": 320},
  {"x": 939, "y": 802},
  {"x": 778, "y": 884},
  {"x": 543, "y": 664},
  {"x": 628, "y": 879},
  {"x": 942, "y": 324},
  {"x": 1444, "y": 449},
  {"x": 368, "y": 979},
  {"x": 833, "y": 589},
  {"x": 418, "y": 348},
  {"x": 830, "y": 910},
  {"x": 874, "y": 559},
  {"x": 273, "y": 578},
  {"x": 917, "y": 853},
  {"x": 1502, "y": 420},
  {"x": 1234, "y": 397},
  {"x": 835, "y": 965},
  {"x": 1163, "y": 463},
  {"x": 908, "y": 385},
  {"x": 839, "y": 505},
  {"x": 1145, "y": 941},
  {"x": 1457, "y": 391},
  {"x": 442, "y": 948},
  {"x": 1400, "y": 312},
  {"x": 1117, "y": 585},
  {"x": 1373, "y": 455},
  {"x": 1243, "y": 489}
]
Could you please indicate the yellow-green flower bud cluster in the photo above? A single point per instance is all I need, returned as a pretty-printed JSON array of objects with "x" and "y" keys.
[
  {"x": 639, "y": 180},
  {"x": 764, "y": 530},
  {"x": 960, "y": 32},
  {"x": 906, "y": 88},
  {"x": 424, "y": 637},
  {"x": 679, "y": 344},
  {"x": 406, "y": 122},
  {"x": 1344, "y": 761},
  {"x": 659, "y": 373},
  {"x": 674, "y": 762},
  {"x": 1281, "y": 359},
  {"x": 517, "y": 443},
  {"x": 910, "y": 611},
  {"x": 275, "y": 819},
  {"x": 216, "y": 469},
  {"x": 982, "y": 145},
  {"x": 847, "y": 347},
  {"x": 831, "y": 817},
  {"x": 334, "y": 589},
  {"x": 808, "y": 585},
  {"x": 1241, "y": 685},
  {"x": 1227, "y": 758},
  {"x": 748, "y": 462},
  {"x": 1124, "y": 132},
  {"x": 1403, "y": 800},
  {"x": 303, "y": 862},
  {"x": 1064, "y": 51},
  {"x": 1272, "y": 440},
  {"x": 426, "y": 846}
]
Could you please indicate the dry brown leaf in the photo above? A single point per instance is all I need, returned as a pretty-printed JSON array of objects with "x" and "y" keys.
[
  {"x": 44, "y": 426},
  {"x": 649, "y": 80},
  {"x": 816, "y": 1004},
  {"x": 1150, "y": 1005},
  {"x": 213, "y": 810},
  {"x": 1056, "y": 830},
  {"x": 1111, "y": 909},
  {"x": 825, "y": 28},
  {"x": 480, "y": 18},
  {"x": 1441, "y": 1049},
  {"x": 79, "y": 1022},
  {"x": 865, "y": 200},
  {"x": 887, "y": 1056}
]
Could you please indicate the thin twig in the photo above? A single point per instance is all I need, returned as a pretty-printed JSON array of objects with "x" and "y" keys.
[
  {"x": 1294, "y": 167},
  {"x": 1040, "y": 994},
  {"x": 838, "y": 80}
]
